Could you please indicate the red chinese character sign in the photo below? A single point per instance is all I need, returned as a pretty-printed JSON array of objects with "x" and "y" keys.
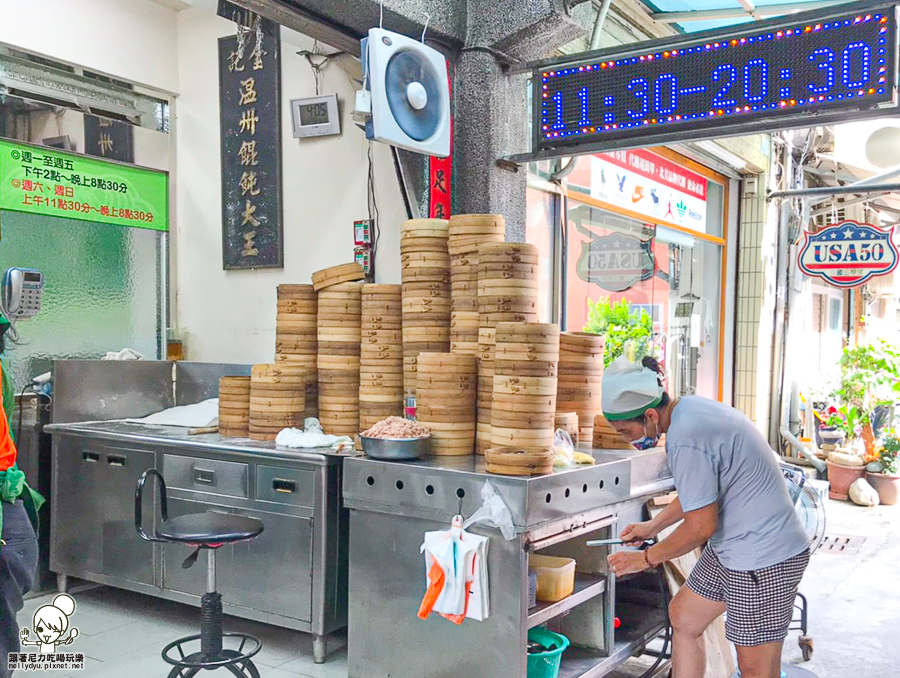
[
  {"x": 849, "y": 254},
  {"x": 440, "y": 171}
]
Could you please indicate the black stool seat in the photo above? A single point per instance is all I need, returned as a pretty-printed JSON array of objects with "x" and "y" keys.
[{"x": 209, "y": 528}]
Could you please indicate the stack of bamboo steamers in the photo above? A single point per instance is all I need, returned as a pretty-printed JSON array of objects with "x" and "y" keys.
[
  {"x": 425, "y": 271},
  {"x": 295, "y": 335},
  {"x": 381, "y": 355},
  {"x": 445, "y": 401},
  {"x": 234, "y": 406},
  {"x": 339, "y": 321},
  {"x": 277, "y": 399},
  {"x": 467, "y": 233},
  {"x": 580, "y": 378},
  {"x": 507, "y": 292},
  {"x": 523, "y": 407}
]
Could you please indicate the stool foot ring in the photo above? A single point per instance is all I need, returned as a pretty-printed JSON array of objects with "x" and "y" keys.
[{"x": 236, "y": 659}]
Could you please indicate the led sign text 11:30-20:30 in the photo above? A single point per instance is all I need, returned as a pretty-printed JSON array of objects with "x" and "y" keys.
[{"x": 843, "y": 61}]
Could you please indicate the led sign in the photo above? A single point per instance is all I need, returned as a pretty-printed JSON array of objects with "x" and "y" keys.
[{"x": 780, "y": 72}]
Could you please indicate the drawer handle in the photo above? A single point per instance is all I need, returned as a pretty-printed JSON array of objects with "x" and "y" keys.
[
  {"x": 115, "y": 460},
  {"x": 92, "y": 457},
  {"x": 204, "y": 476},
  {"x": 282, "y": 485}
]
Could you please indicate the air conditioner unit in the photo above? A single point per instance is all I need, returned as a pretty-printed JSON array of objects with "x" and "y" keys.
[{"x": 408, "y": 102}]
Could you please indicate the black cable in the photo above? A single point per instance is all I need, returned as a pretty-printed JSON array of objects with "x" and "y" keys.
[
  {"x": 19, "y": 426},
  {"x": 664, "y": 589},
  {"x": 373, "y": 212}
]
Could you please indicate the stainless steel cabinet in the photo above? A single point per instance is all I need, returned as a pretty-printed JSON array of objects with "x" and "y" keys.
[
  {"x": 294, "y": 574},
  {"x": 93, "y": 530},
  {"x": 273, "y": 572}
]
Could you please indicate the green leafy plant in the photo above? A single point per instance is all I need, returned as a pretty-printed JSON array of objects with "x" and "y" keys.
[
  {"x": 628, "y": 332},
  {"x": 890, "y": 453},
  {"x": 870, "y": 376}
]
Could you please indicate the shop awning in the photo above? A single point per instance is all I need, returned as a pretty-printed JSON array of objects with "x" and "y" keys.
[{"x": 698, "y": 15}]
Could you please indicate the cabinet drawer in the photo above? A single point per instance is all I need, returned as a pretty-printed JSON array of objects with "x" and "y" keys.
[
  {"x": 207, "y": 475},
  {"x": 285, "y": 485}
]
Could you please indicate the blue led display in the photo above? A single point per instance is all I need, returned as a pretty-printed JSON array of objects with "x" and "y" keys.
[{"x": 795, "y": 68}]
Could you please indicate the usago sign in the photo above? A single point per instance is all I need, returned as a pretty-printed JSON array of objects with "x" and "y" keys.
[
  {"x": 849, "y": 254},
  {"x": 615, "y": 261}
]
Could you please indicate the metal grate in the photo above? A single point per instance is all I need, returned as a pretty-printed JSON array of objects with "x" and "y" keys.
[{"x": 841, "y": 544}]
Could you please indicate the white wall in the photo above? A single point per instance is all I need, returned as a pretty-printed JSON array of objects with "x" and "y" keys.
[
  {"x": 130, "y": 39},
  {"x": 230, "y": 315}
]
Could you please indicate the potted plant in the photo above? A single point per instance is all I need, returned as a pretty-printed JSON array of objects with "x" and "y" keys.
[
  {"x": 627, "y": 332},
  {"x": 832, "y": 426},
  {"x": 884, "y": 474}
]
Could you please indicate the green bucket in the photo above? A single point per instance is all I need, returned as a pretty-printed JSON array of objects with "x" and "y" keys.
[{"x": 546, "y": 664}]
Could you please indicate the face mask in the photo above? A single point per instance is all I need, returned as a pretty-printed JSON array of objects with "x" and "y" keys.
[{"x": 646, "y": 442}]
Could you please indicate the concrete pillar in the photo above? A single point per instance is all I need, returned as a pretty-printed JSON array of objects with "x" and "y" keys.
[{"x": 491, "y": 112}]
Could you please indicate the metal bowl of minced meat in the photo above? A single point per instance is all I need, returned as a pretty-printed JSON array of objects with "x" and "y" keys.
[{"x": 396, "y": 449}]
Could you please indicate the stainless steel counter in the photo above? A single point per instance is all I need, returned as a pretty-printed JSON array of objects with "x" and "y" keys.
[
  {"x": 392, "y": 505},
  {"x": 293, "y": 575}
]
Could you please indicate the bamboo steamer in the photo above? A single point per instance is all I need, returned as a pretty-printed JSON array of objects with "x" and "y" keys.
[
  {"x": 277, "y": 399},
  {"x": 296, "y": 335},
  {"x": 606, "y": 437},
  {"x": 425, "y": 305},
  {"x": 519, "y": 461},
  {"x": 339, "y": 335},
  {"x": 445, "y": 401},
  {"x": 523, "y": 406},
  {"x": 336, "y": 275},
  {"x": 381, "y": 352},
  {"x": 580, "y": 378},
  {"x": 234, "y": 406}
]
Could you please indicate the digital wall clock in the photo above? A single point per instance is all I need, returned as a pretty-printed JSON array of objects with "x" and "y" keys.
[{"x": 763, "y": 76}]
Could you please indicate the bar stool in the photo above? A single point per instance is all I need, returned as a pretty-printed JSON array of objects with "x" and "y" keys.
[{"x": 204, "y": 531}]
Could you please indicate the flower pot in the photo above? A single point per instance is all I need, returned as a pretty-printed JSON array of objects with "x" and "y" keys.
[
  {"x": 841, "y": 478},
  {"x": 887, "y": 486}
]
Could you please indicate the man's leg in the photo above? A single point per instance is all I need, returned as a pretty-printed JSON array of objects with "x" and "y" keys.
[
  {"x": 18, "y": 562},
  {"x": 760, "y": 661},
  {"x": 690, "y": 615}
]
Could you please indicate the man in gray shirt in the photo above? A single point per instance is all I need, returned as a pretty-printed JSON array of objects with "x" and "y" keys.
[{"x": 731, "y": 494}]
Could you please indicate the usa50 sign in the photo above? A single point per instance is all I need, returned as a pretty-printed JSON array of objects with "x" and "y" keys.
[{"x": 849, "y": 254}]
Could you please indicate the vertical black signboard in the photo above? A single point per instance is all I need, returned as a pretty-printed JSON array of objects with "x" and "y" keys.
[
  {"x": 250, "y": 105},
  {"x": 108, "y": 139}
]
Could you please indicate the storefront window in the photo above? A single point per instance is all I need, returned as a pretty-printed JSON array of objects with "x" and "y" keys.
[
  {"x": 647, "y": 227},
  {"x": 674, "y": 276}
]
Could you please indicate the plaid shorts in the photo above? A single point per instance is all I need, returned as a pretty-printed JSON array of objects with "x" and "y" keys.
[{"x": 759, "y": 603}]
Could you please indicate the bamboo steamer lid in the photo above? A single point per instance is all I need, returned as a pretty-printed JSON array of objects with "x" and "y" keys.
[
  {"x": 240, "y": 383},
  {"x": 378, "y": 289},
  {"x": 427, "y": 243},
  {"x": 335, "y": 275},
  {"x": 296, "y": 372},
  {"x": 415, "y": 225},
  {"x": 506, "y": 251},
  {"x": 480, "y": 223},
  {"x": 531, "y": 333}
]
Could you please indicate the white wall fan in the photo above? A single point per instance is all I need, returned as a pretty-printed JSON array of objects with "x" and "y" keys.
[{"x": 406, "y": 93}]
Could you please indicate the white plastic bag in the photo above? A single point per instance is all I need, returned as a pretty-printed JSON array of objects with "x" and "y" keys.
[
  {"x": 563, "y": 449},
  {"x": 493, "y": 512}
]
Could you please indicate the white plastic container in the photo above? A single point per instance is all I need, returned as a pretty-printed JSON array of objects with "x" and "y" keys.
[{"x": 556, "y": 577}]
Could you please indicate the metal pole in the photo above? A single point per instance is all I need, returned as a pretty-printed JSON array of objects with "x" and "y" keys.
[
  {"x": 598, "y": 25},
  {"x": 211, "y": 571},
  {"x": 827, "y": 191}
]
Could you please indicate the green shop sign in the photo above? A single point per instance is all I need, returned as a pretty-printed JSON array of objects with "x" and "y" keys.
[{"x": 43, "y": 181}]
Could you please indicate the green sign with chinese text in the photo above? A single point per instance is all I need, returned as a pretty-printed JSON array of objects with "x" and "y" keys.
[{"x": 40, "y": 180}]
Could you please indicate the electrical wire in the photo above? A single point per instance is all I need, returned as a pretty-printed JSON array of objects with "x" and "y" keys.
[{"x": 373, "y": 211}]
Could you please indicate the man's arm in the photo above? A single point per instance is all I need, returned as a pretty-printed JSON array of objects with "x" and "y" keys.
[{"x": 698, "y": 527}]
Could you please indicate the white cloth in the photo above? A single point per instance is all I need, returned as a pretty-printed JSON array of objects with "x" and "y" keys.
[
  {"x": 199, "y": 415},
  {"x": 311, "y": 437},
  {"x": 628, "y": 389},
  {"x": 124, "y": 354}
]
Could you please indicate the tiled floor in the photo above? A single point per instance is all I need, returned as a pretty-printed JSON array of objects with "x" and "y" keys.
[{"x": 122, "y": 633}]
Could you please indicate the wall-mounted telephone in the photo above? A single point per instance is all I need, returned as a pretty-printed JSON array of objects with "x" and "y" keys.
[{"x": 21, "y": 293}]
